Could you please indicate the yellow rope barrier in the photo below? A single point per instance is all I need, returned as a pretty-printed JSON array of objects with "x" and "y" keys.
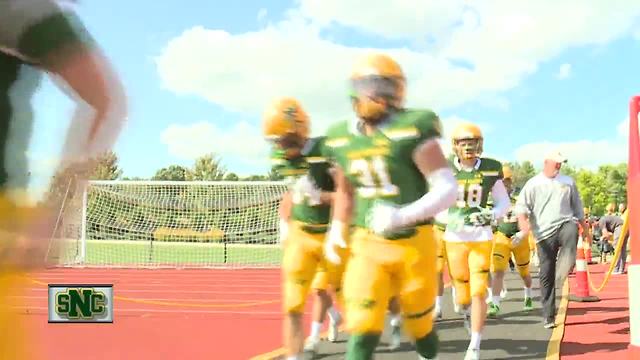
[{"x": 616, "y": 255}]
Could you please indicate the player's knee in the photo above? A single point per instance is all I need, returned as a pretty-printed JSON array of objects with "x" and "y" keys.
[
  {"x": 479, "y": 283},
  {"x": 362, "y": 319},
  {"x": 418, "y": 325},
  {"x": 294, "y": 306},
  {"x": 463, "y": 295},
  {"x": 362, "y": 346},
  {"x": 294, "y": 299},
  {"x": 523, "y": 270},
  {"x": 427, "y": 346}
]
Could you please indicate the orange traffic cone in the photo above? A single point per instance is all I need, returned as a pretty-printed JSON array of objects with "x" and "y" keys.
[
  {"x": 587, "y": 253},
  {"x": 581, "y": 293}
]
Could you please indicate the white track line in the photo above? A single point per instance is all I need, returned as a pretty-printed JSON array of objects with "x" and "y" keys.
[
  {"x": 175, "y": 300},
  {"x": 167, "y": 311},
  {"x": 119, "y": 291}
]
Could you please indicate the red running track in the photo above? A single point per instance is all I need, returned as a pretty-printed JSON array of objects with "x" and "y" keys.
[
  {"x": 163, "y": 314},
  {"x": 594, "y": 330}
]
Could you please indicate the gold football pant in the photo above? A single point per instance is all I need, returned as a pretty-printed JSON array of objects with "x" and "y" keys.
[
  {"x": 502, "y": 250},
  {"x": 380, "y": 268},
  {"x": 441, "y": 253},
  {"x": 469, "y": 264},
  {"x": 304, "y": 267}
]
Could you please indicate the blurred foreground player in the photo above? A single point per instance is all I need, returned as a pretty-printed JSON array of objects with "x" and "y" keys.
[
  {"x": 304, "y": 216},
  {"x": 38, "y": 37},
  {"x": 389, "y": 156}
]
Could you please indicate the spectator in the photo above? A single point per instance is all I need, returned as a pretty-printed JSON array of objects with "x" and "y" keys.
[
  {"x": 611, "y": 225},
  {"x": 622, "y": 208},
  {"x": 547, "y": 206}
]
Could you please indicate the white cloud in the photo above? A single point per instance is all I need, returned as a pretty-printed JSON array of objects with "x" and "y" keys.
[
  {"x": 623, "y": 128},
  {"x": 503, "y": 41},
  {"x": 583, "y": 153},
  {"x": 239, "y": 146},
  {"x": 406, "y": 18},
  {"x": 262, "y": 14},
  {"x": 564, "y": 71}
]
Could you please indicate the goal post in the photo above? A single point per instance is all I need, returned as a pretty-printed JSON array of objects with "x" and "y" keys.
[{"x": 175, "y": 224}]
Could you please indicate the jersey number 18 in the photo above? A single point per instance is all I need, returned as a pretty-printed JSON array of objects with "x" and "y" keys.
[{"x": 469, "y": 196}]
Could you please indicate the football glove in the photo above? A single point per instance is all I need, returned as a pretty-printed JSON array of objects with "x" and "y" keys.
[
  {"x": 517, "y": 238},
  {"x": 483, "y": 217},
  {"x": 335, "y": 239},
  {"x": 305, "y": 188},
  {"x": 383, "y": 218}
]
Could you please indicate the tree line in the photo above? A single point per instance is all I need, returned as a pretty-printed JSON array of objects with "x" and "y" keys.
[{"x": 597, "y": 187}]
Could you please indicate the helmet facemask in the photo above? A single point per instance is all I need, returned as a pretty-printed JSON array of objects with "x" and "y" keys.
[
  {"x": 374, "y": 97},
  {"x": 291, "y": 144},
  {"x": 468, "y": 148}
]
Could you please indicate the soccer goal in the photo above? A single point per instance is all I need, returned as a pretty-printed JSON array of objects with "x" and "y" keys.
[{"x": 178, "y": 224}]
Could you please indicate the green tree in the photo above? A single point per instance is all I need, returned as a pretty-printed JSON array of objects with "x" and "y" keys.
[
  {"x": 521, "y": 173},
  {"x": 207, "y": 168},
  {"x": 231, "y": 177},
  {"x": 105, "y": 167},
  {"x": 171, "y": 173}
]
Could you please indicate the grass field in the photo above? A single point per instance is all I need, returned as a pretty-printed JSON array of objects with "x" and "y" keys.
[{"x": 156, "y": 253}]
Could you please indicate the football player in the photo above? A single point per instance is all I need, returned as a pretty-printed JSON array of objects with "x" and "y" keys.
[
  {"x": 304, "y": 217},
  {"x": 508, "y": 240},
  {"x": 469, "y": 235},
  {"x": 388, "y": 158}
]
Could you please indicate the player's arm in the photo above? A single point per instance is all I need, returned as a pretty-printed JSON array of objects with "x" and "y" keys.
[
  {"x": 342, "y": 208},
  {"x": 286, "y": 204},
  {"x": 342, "y": 198},
  {"x": 55, "y": 40},
  {"x": 443, "y": 188},
  {"x": 501, "y": 200}
]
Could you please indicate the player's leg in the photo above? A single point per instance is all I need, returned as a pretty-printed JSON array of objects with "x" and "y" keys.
[
  {"x": 440, "y": 265},
  {"x": 458, "y": 260},
  {"x": 299, "y": 266},
  {"x": 321, "y": 303},
  {"x": 336, "y": 273},
  {"x": 522, "y": 255},
  {"x": 418, "y": 291},
  {"x": 479, "y": 267},
  {"x": 395, "y": 320},
  {"x": 367, "y": 290},
  {"x": 499, "y": 263},
  {"x": 533, "y": 249},
  {"x": 14, "y": 334}
]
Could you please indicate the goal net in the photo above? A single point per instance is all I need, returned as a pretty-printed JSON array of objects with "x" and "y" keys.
[{"x": 170, "y": 224}]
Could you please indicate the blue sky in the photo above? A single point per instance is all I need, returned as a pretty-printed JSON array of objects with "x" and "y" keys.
[{"x": 198, "y": 76}]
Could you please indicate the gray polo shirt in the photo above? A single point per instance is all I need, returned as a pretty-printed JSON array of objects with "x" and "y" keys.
[{"x": 549, "y": 203}]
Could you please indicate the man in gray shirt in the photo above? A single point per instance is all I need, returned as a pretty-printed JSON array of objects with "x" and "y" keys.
[{"x": 549, "y": 205}]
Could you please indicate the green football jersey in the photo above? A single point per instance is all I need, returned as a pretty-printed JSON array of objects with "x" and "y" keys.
[
  {"x": 380, "y": 166},
  {"x": 311, "y": 166},
  {"x": 508, "y": 225},
  {"x": 474, "y": 188}
]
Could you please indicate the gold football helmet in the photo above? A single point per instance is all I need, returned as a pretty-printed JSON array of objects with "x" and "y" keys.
[
  {"x": 508, "y": 178},
  {"x": 378, "y": 85},
  {"x": 467, "y": 141},
  {"x": 507, "y": 172},
  {"x": 286, "y": 124}
]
